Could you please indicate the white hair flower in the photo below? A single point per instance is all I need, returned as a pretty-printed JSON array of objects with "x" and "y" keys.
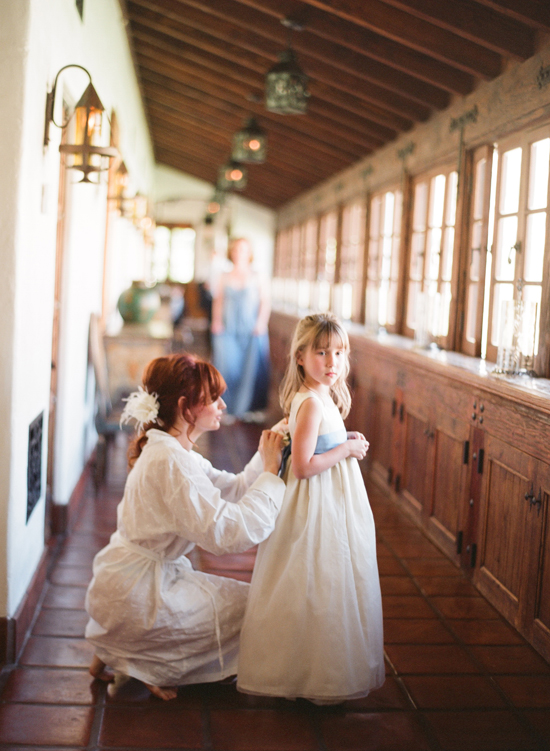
[{"x": 141, "y": 407}]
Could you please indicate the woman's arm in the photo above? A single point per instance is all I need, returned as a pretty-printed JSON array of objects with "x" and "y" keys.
[
  {"x": 264, "y": 308},
  {"x": 202, "y": 516},
  {"x": 217, "y": 308},
  {"x": 305, "y": 463}
]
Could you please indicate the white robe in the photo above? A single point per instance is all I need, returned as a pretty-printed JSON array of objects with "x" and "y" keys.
[{"x": 152, "y": 616}]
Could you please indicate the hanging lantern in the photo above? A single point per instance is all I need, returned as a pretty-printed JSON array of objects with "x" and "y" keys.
[
  {"x": 250, "y": 143},
  {"x": 232, "y": 176},
  {"x": 286, "y": 86}
]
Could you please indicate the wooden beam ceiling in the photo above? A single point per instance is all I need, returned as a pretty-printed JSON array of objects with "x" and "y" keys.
[{"x": 376, "y": 69}]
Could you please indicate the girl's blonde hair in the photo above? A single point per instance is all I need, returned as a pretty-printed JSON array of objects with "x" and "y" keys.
[{"x": 315, "y": 331}]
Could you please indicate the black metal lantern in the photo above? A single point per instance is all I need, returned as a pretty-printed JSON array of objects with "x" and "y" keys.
[
  {"x": 250, "y": 143},
  {"x": 232, "y": 176},
  {"x": 286, "y": 86}
]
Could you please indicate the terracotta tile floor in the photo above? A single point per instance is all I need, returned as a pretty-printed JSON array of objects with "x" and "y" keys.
[{"x": 459, "y": 678}]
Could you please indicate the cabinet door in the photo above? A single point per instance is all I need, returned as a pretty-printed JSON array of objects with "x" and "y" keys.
[
  {"x": 538, "y": 601},
  {"x": 417, "y": 459},
  {"x": 505, "y": 528},
  {"x": 447, "y": 493},
  {"x": 379, "y": 432}
]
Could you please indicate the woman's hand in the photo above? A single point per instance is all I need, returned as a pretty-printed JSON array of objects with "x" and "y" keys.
[
  {"x": 281, "y": 426},
  {"x": 270, "y": 449},
  {"x": 216, "y": 328},
  {"x": 357, "y": 447}
]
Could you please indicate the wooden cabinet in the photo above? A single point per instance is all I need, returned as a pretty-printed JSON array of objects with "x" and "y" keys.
[
  {"x": 468, "y": 458},
  {"x": 513, "y": 548}
]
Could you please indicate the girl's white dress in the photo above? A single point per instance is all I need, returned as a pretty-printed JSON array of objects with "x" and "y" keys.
[
  {"x": 153, "y": 616},
  {"x": 313, "y": 622}
]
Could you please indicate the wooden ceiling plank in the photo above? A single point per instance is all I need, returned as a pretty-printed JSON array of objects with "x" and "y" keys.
[
  {"x": 418, "y": 34},
  {"x": 250, "y": 30},
  {"x": 471, "y": 21},
  {"x": 195, "y": 148},
  {"x": 259, "y": 57},
  {"x": 338, "y": 160},
  {"x": 535, "y": 13},
  {"x": 268, "y": 195},
  {"x": 244, "y": 75},
  {"x": 175, "y": 89},
  {"x": 304, "y": 142},
  {"x": 362, "y": 41},
  {"x": 280, "y": 153},
  {"x": 151, "y": 59}
]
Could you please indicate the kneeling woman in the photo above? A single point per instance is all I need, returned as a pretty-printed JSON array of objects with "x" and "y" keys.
[{"x": 152, "y": 616}]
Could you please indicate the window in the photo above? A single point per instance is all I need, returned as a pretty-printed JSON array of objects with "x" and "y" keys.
[
  {"x": 382, "y": 289},
  {"x": 173, "y": 257},
  {"x": 433, "y": 273},
  {"x": 350, "y": 267},
  {"x": 308, "y": 261},
  {"x": 478, "y": 242},
  {"x": 520, "y": 232},
  {"x": 326, "y": 266}
]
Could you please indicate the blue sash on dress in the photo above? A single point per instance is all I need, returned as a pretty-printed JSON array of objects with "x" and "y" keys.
[{"x": 325, "y": 443}]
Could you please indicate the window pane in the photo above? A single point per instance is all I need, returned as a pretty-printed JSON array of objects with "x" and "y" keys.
[
  {"x": 417, "y": 255},
  {"x": 447, "y": 261},
  {"x": 471, "y": 312},
  {"x": 505, "y": 253},
  {"x": 538, "y": 174},
  {"x": 480, "y": 176},
  {"x": 372, "y": 271},
  {"x": 182, "y": 256},
  {"x": 509, "y": 182},
  {"x": 445, "y": 309},
  {"x": 392, "y": 304},
  {"x": 371, "y": 304},
  {"x": 419, "y": 215},
  {"x": 532, "y": 294},
  {"x": 161, "y": 253},
  {"x": 389, "y": 203},
  {"x": 450, "y": 213},
  {"x": 374, "y": 229},
  {"x": 437, "y": 198},
  {"x": 534, "y": 247},
  {"x": 434, "y": 245},
  {"x": 414, "y": 291},
  {"x": 502, "y": 293},
  {"x": 475, "y": 251}
]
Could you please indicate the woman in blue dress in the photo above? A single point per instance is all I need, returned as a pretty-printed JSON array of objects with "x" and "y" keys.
[{"x": 240, "y": 344}]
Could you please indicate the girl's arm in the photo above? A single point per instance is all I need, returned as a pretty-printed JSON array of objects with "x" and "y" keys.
[{"x": 305, "y": 463}]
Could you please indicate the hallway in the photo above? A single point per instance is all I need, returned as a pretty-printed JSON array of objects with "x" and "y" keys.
[{"x": 458, "y": 677}]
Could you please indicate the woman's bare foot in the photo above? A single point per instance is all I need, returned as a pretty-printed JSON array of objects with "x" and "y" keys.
[
  {"x": 163, "y": 692},
  {"x": 97, "y": 670}
]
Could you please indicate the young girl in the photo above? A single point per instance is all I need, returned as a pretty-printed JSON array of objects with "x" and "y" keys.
[
  {"x": 313, "y": 622},
  {"x": 152, "y": 616}
]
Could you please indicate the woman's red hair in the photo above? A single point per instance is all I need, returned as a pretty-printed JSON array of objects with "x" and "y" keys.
[{"x": 171, "y": 377}]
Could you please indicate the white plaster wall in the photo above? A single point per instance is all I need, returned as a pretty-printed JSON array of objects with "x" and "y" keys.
[
  {"x": 13, "y": 55},
  {"x": 37, "y": 38}
]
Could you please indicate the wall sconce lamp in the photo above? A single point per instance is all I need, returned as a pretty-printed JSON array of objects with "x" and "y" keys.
[
  {"x": 120, "y": 182},
  {"x": 87, "y": 154},
  {"x": 250, "y": 143},
  {"x": 232, "y": 176}
]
